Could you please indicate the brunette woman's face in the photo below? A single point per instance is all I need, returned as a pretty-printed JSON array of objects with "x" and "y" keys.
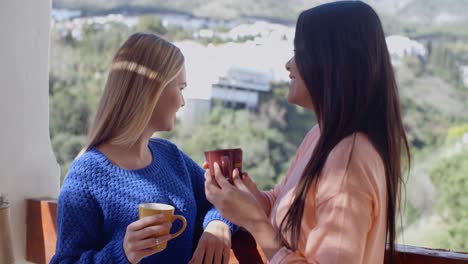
[{"x": 298, "y": 93}]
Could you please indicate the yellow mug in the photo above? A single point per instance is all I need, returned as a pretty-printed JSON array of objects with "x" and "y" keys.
[{"x": 148, "y": 209}]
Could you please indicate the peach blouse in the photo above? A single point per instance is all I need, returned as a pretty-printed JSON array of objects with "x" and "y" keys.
[{"x": 345, "y": 215}]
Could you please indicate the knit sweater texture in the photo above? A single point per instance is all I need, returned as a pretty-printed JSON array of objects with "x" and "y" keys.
[{"x": 98, "y": 200}]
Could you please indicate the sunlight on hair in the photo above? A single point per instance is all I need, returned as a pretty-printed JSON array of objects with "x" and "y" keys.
[{"x": 134, "y": 67}]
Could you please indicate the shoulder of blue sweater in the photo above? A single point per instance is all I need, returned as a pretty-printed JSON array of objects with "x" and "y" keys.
[
  {"x": 86, "y": 165},
  {"x": 169, "y": 147},
  {"x": 89, "y": 158},
  {"x": 161, "y": 142}
]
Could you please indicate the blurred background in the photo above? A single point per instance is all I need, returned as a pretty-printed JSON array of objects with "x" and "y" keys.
[{"x": 235, "y": 55}]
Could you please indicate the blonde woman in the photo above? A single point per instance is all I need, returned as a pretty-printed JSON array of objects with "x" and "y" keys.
[{"x": 122, "y": 166}]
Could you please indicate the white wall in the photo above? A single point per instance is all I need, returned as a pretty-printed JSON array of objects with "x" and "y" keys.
[{"x": 27, "y": 164}]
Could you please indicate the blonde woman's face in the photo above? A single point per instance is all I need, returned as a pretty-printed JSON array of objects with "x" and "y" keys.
[{"x": 170, "y": 101}]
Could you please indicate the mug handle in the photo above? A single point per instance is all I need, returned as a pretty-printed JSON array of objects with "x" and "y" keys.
[
  {"x": 182, "y": 229},
  {"x": 226, "y": 166}
]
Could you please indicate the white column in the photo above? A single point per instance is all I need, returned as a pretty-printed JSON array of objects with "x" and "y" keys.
[{"x": 28, "y": 167}]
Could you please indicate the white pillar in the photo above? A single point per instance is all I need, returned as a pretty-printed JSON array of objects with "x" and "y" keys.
[{"x": 28, "y": 167}]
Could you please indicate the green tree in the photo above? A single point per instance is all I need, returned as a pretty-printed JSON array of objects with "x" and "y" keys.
[
  {"x": 227, "y": 128},
  {"x": 456, "y": 133},
  {"x": 269, "y": 136},
  {"x": 151, "y": 23},
  {"x": 450, "y": 178}
]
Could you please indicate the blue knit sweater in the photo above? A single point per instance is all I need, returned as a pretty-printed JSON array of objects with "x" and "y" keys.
[{"x": 98, "y": 200}]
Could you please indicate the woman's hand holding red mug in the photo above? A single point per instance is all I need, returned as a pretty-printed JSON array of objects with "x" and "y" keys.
[{"x": 235, "y": 202}]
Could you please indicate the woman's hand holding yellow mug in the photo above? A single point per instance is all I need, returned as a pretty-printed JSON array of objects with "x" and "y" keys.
[
  {"x": 150, "y": 234},
  {"x": 143, "y": 235}
]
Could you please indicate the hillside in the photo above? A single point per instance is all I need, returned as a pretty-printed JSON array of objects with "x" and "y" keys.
[
  {"x": 434, "y": 12},
  {"x": 433, "y": 97},
  {"x": 277, "y": 10},
  {"x": 416, "y": 11}
]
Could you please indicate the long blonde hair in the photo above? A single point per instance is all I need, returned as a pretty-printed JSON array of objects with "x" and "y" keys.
[{"x": 140, "y": 70}]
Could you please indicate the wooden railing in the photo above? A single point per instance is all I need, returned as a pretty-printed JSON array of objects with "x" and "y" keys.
[
  {"x": 418, "y": 255},
  {"x": 42, "y": 236}
]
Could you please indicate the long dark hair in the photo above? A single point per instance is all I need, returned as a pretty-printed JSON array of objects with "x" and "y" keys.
[{"x": 342, "y": 56}]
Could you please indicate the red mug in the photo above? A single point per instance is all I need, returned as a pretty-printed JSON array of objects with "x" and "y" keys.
[{"x": 227, "y": 159}]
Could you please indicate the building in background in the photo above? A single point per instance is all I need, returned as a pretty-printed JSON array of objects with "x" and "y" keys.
[
  {"x": 233, "y": 73},
  {"x": 241, "y": 87},
  {"x": 402, "y": 46}
]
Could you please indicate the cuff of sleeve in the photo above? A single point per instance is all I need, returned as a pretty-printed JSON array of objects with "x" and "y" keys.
[
  {"x": 280, "y": 256},
  {"x": 119, "y": 253},
  {"x": 213, "y": 214},
  {"x": 271, "y": 198}
]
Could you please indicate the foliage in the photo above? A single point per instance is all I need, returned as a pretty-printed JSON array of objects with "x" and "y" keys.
[
  {"x": 444, "y": 62},
  {"x": 66, "y": 147},
  {"x": 148, "y": 23},
  {"x": 77, "y": 76},
  {"x": 268, "y": 137},
  {"x": 426, "y": 12},
  {"x": 433, "y": 100},
  {"x": 430, "y": 12},
  {"x": 456, "y": 133},
  {"x": 450, "y": 178},
  {"x": 411, "y": 214}
]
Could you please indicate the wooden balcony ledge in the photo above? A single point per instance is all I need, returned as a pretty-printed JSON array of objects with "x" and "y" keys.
[{"x": 42, "y": 236}]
